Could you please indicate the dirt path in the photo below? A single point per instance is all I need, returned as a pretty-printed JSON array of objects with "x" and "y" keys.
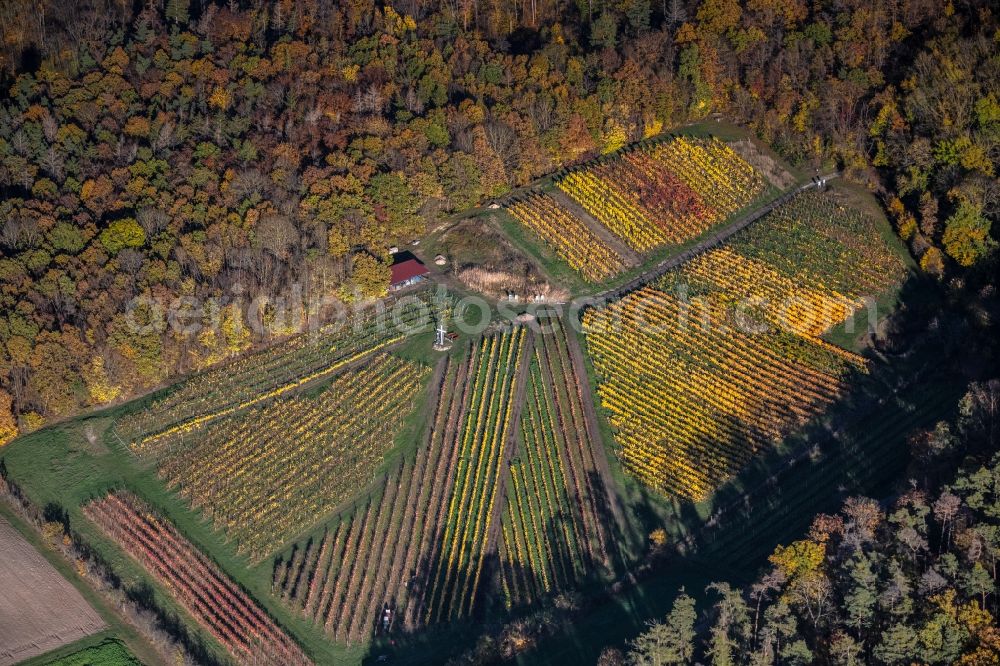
[
  {"x": 600, "y": 456},
  {"x": 434, "y": 395},
  {"x": 632, "y": 258},
  {"x": 518, "y": 396}
]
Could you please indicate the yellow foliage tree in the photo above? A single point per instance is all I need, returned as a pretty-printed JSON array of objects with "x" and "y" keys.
[
  {"x": 615, "y": 138},
  {"x": 99, "y": 387},
  {"x": 398, "y": 24},
  {"x": 718, "y": 16},
  {"x": 652, "y": 127},
  {"x": 932, "y": 261},
  {"x": 8, "y": 426},
  {"x": 235, "y": 332},
  {"x": 220, "y": 98},
  {"x": 137, "y": 126},
  {"x": 906, "y": 224},
  {"x": 967, "y": 235},
  {"x": 798, "y": 559},
  {"x": 336, "y": 243},
  {"x": 370, "y": 276},
  {"x": 31, "y": 421},
  {"x": 116, "y": 61},
  {"x": 350, "y": 73}
]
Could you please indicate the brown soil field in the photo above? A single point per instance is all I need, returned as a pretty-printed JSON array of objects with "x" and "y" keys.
[{"x": 39, "y": 609}]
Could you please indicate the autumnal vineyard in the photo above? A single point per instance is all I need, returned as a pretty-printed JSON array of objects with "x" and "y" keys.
[
  {"x": 665, "y": 193},
  {"x": 554, "y": 523},
  {"x": 264, "y": 475},
  {"x": 204, "y": 591},
  {"x": 721, "y": 358},
  {"x": 509, "y": 436},
  {"x": 822, "y": 244},
  {"x": 482, "y": 448},
  {"x": 367, "y": 559},
  {"x": 342, "y": 580},
  {"x": 269, "y": 373},
  {"x": 571, "y": 238}
]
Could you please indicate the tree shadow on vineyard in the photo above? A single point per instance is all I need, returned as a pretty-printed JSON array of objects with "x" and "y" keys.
[
  {"x": 618, "y": 542},
  {"x": 437, "y": 641},
  {"x": 136, "y": 602},
  {"x": 922, "y": 360},
  {"x": 491, "y": 628},
  {"x": 924, "y": 357},
  {"x": 285, "y": 576},
  {"x": 920, "y": 367}
]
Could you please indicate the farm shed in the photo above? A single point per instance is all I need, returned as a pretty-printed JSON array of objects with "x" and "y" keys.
[{"x": 406, "y": 270}]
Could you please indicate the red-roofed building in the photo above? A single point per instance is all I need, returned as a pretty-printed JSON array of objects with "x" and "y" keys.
[{"x": 407, "y": 270}]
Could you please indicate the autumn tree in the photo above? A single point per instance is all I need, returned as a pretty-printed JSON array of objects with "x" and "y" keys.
[
  {"x": 121, "y": 234},
  {"x": 8, "y": 426}
]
